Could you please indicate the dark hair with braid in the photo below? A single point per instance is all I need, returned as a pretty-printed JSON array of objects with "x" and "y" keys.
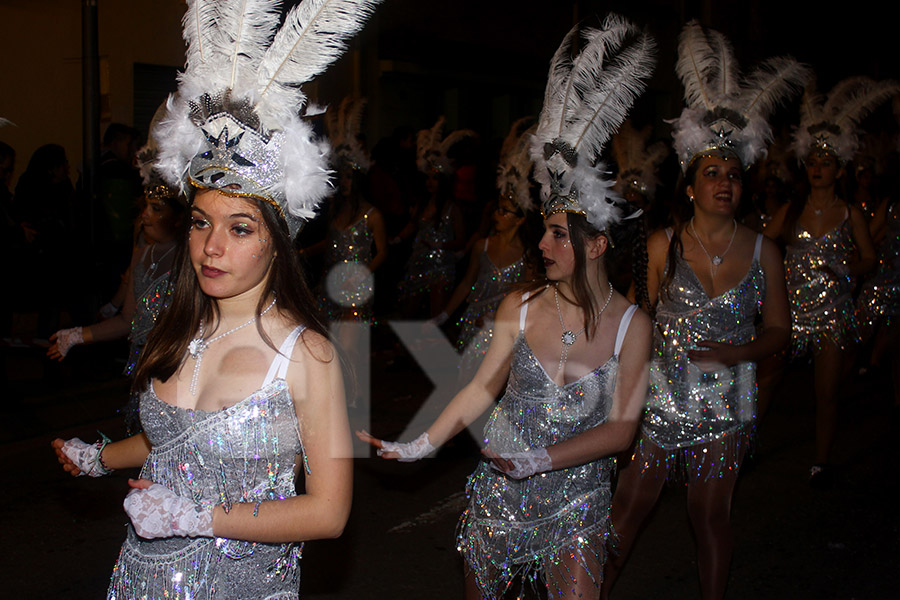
[{"x": 682, "y": 211}]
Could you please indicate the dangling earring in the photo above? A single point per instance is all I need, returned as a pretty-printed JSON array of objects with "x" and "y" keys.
[{"x": 691, "y": 198}]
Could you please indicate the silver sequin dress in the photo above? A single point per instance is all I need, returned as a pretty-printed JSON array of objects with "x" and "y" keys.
[
  {"x": 430, "y": 266},
  {"x": 348, "y": 281},
  {"x": 697, "y": 421},
  {"x": 879, "y": 300},
  {"x": 152, "y": 288},
  {"x": 523, "y": 527},
  {"x": 822, "y": 307},
  {"x": 243, "y": 453},
  {"x": 477, "y": 321}
]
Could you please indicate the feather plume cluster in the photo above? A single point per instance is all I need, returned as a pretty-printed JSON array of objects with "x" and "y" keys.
[
  {"x": 588, "y": 95},
  {"x": 830, "y": 124},
  {"x": 241, "y": 91},
  {"x": 432, "y": 147},
  {"x": 343, "y": 125},
  {"x": 514, "y": 166},
  {"x": 636, "y": 161},
  {"x": 727, "y": 114},
  {"x": 154, "y": 185}
]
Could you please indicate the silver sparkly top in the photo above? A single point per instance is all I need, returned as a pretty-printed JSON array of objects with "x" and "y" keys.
[
  {"x": 244, "y": 453},
  {"x": 687, "y": 404},
  {"x": 152, "y": 291},
  {"x": 513, "y": 526}
]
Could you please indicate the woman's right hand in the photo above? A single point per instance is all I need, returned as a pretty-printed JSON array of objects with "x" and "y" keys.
[
  {"x": 79, "y": 458},
  {"x": 63, "y": 341},
  {"x": 403, "y": 452}
]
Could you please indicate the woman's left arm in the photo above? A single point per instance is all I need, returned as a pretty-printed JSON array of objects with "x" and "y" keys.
[
  {"x": 775, "y": 332},
  {"x": 322, "y": 510}
]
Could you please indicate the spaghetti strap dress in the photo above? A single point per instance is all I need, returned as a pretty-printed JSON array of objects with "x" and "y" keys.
[
  {"x": 523, "y": 527},
  {"x": 823, "y": 311},
  {"x": 243, "y": 453},
  {"x": 477, "y": 321},
  {"x": 699, "y": 420}
]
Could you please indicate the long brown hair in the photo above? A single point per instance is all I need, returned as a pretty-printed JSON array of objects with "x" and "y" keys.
[
  {"x": 580, "y": 231},
  {"x": 168, "y": 342}
]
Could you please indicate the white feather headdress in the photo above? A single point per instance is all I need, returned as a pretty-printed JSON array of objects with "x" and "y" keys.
[
  {"x": 235, "y": 121},
  {"x": 154, "y": 185},
  {"x": 586, "y": 99},
  {"x": 343, "y": 125},
  {"x": 636, "y": 161},
  {"x": 432, "y": 147},
  {"x": 831, "y": 124},
  {"x": 514, "y": 165},
  {"x": 725, "y": 114}
]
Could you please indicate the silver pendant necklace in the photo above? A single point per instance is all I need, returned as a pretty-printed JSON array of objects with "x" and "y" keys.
[
  {"x": 198, "y": 345},
  {"x": 818, "y": 211},
  {"x": 568, "y": 336},
  {"x": 714, "y": 260},
  {"x": 154, "y": 264}
]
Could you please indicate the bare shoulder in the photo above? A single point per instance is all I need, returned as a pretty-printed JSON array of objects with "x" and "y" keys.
[
  {"x": 640, "y": 323},
  {"x": 315, "y": 348},
  {"x": 769, "y": 251},
  {"x": 658, "y": 242}
]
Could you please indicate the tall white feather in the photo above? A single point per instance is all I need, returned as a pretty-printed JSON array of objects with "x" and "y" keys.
[
  {"x": 696, "y": 62},
  {"x": 770, "y": 84},
  {"x": 615, "y": 89},
  {"x": 204, "y": 57},
  {"x": 247, "y": 28},
  {"x": 314, "y": 35},
  {"x": 727, "y": 73}
]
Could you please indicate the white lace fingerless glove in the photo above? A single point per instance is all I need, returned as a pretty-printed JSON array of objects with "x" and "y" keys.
[
  {"x": 66, "y": 338},
  {"x": 526, "y": 464},
  {"x": 158, "y": 512},
  {"x": 409, "y": 451},
  {"x": 87, "y": 456}
]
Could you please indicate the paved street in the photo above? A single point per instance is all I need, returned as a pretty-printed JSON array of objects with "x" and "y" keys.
[{"x": 60, "y": 535}]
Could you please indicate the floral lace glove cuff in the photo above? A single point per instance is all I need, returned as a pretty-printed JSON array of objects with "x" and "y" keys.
[
  {"x": 526, "y": 464},
  {"x": 410, "y": 451},
  {"x": 86, "y": 456},
  {"x": 158, "y": 512},
  {"x": 67, "y": 338}
]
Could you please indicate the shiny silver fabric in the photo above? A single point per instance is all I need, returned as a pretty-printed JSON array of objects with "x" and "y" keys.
[
  {"x": 244, "y": 453},
  {"x": 691, "y": 404},
  {"x": 523, "y": 527}
]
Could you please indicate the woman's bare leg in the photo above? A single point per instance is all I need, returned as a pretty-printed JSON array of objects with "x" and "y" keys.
[
  {"x": 709, "y": 508},
  {"x": 636, "y": 495},
  {"x": 827, "y": 371}
]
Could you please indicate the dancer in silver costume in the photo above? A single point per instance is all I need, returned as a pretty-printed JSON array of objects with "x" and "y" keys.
[
  {"x": 538, "y": 510},
  {"x": 437, "y": 225},
  {"x": 148, "y": 284},
  {"x": 879, "y": 300},
  {"x": 492, "y": 283},
  {"x": 486, "y": 282},
  {"x": 242, "y": 396},
  {"x": 356, "y": 244},
  {"x": 708, "y": 280},
  {"x": 828, "y": 246}
]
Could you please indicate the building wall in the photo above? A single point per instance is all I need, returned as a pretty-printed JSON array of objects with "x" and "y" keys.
[{"x": 41, "y": 66}]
